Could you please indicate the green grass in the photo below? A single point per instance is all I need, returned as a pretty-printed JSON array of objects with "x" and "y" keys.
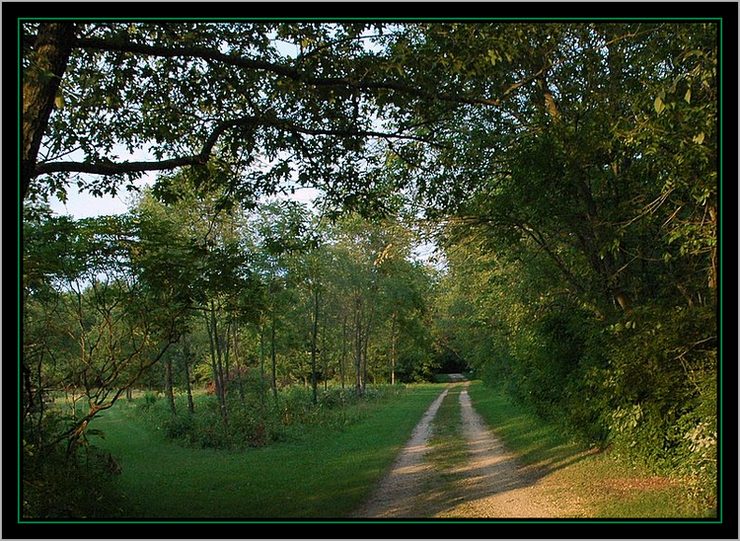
[
  {"x": 325, "y": 474},
  {"x": 447, "y": 443},
  {"x": 534, "y": 440},
  {"x": 608, "y": 484}
]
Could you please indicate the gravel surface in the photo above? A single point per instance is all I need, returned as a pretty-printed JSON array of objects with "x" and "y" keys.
[
  {"x": 395, "y": 495},
  {"x": 490, "y": 484}
]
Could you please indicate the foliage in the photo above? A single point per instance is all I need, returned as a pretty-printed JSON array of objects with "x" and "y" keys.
[
  {"x": 254, "y": 423},
  {"x": 568, "y": 170},
  {"x": 269, "y": 105},
  {"x": 582, "y": 260},
  {"x": 95, "y": 315},
  {"x": 661, "y": 380},
  {"x": 642, "y": 383},
  {"x": 59, "y": 485}
]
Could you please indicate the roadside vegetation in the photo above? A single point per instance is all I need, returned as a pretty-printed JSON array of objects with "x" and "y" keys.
[
  {"x": 309, "y": 473},
  {"x": 610, "y": 483}
]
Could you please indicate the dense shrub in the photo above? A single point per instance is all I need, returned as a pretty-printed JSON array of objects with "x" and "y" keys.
[
  {"x": 662, "y": 380},
  {"x": 58, "y": 483},
  {"x": 256, "y": 420},
  {"x": 643, "y": 384}
]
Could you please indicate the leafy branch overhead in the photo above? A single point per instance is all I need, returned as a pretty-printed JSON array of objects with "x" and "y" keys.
[{"x": 183, "y": 91}]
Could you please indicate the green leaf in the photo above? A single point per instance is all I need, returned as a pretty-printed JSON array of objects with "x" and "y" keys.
[
  {"x": 659, "y": 105},
  {"x": 699, "y": 139},
  {"x": 59, "y": 101},
  {"x": 687, "y": 97}
]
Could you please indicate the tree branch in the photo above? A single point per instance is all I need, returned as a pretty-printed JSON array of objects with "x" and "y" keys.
[
  {"x": 111, "y": 168},
  {"x": 115, "y": 168},
  {"x": 278, "y": 69},
  {"x": 540, "y": 241}
]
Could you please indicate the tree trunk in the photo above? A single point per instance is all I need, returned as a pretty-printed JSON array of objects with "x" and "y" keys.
[
  {"x": 220, "y": 366},
  {"x": 358, "y": 349},
  {"x": 366, "y": 340},
  {"x": 27, "y": 388},
  {"x": 226, "y": 350},
  {"x": 191, "y": 404},
  {"x": 169, "y": 386},
  {"x": 274, "y": 359},
  {"x": 394, "y": 322},
  {"x": 314, "y": 335},
  {"x": 41, "y": 79},
  {"x": 262, "y": 363},
  {"x": 216, "y": 363},
  {"x": 366, "y": 343},
  {"x": 186, "y": 363},
  {"x": 325, "y": 357},
  {"x": 548, "y": 102},
  {"x": 343, "y": 350},
  {"x": 239, "y": 371},
  {"x": 713, "y": 266}
]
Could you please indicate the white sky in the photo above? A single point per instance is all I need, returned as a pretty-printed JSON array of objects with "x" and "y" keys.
[{"x": 85, "y": 205}]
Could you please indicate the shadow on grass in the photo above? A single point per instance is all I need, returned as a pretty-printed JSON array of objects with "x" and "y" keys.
[{"x": 322, "y": 475}]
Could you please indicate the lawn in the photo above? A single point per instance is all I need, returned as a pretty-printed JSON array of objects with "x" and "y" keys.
[{"x": 325, "y": 474}]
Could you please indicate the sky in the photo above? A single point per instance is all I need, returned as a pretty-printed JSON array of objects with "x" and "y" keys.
[{"x": 85, "y": 205}]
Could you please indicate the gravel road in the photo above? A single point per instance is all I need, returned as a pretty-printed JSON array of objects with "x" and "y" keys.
[{"x": 490, "y": 484}]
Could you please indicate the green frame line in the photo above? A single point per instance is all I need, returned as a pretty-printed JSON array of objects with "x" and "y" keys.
[
  {"x": 720, "y": 486},
  {"x": 19, "y": 209},
  {"x": 720, "y": 159},
  {"x": 389, "y": 19}
]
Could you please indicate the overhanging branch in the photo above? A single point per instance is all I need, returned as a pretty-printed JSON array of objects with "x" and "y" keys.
[
  {"x": 117, "y": 168},
  {"x": 278, "y": 69}
]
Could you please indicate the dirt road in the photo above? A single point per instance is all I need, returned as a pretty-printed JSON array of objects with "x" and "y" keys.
[{"x": 490, "y": 484}]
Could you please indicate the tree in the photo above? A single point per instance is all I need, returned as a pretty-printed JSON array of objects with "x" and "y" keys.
[
  {"x": 578, "y": 161},
  {"x": 219, "y": 262},
  {"x": 237, "y": 93},
  {"x": 582, "y": 237},
  {"x": 115, "y": 319}
]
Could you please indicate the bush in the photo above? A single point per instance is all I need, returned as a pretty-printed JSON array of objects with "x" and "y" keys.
[
  {"x": 178, "y": 426},
  {"x": 644, "y": 383},
  {"x": 150, "y": 400},
  {"x": 254, "y": 423},
  {"x": 662, "y": 382},
  {"x": 76, "y": 485}
]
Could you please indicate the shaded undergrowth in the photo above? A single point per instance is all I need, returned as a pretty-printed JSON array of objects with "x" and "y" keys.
[{"x": 608, "y": 484}]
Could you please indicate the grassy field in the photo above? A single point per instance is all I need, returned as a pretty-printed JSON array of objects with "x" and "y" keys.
[
  {"x": 607, "y": 484},
  {"x": 323, "y": 475}
]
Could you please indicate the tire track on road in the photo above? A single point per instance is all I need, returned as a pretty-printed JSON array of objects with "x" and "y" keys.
[{"x": 396, "y": 493}]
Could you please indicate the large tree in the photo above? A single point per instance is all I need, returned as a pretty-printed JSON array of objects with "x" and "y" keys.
[{"x": 274, "y": 101}]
